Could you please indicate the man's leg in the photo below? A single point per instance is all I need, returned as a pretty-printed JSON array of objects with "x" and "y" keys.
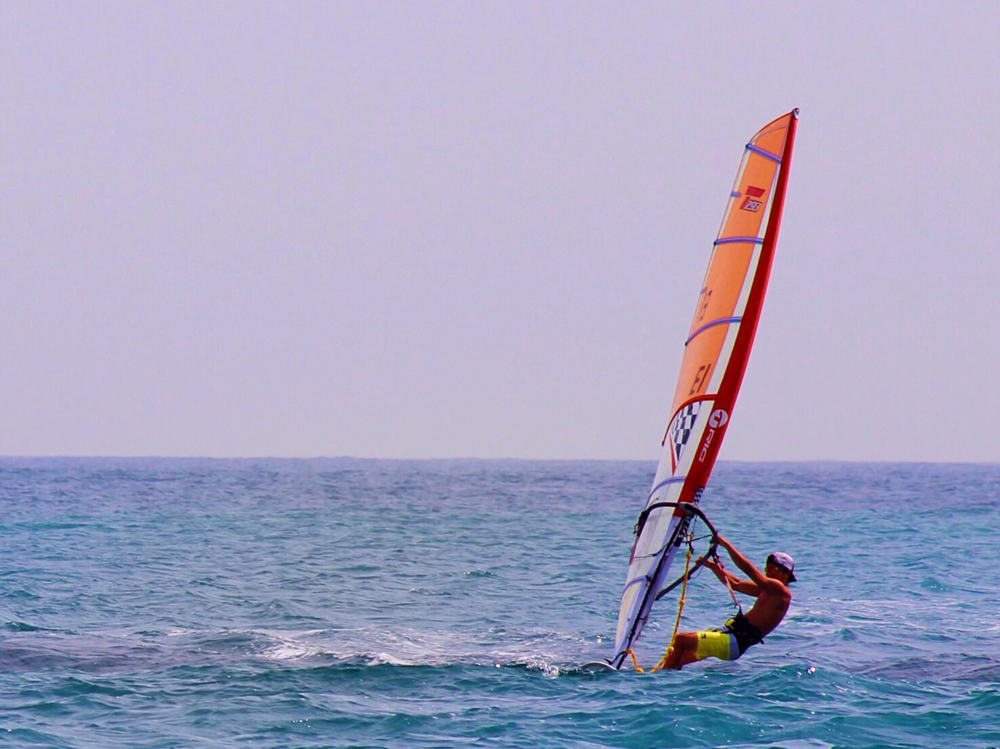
[{"x": 683, "y": 651}]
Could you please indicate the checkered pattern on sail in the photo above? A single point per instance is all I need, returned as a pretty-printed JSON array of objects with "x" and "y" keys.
[{"x": 680, "y": 429}]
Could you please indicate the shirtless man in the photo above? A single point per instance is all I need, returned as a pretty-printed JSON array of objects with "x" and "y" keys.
[{"x": 770, "y": 588}]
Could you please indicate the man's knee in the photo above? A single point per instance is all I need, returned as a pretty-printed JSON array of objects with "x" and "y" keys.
[{"x": 686, "y": 640}]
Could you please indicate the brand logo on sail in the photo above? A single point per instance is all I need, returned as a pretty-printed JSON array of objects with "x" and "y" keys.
[
  {"x": 750, "y": 203},
  {"x": 718, "y": 419}
]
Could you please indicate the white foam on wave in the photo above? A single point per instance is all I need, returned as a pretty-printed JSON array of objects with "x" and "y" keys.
[
  {"x": 536, "y": 650},
  {"x": 288, "y": 645},
  {"x": 390, "y": 660}
]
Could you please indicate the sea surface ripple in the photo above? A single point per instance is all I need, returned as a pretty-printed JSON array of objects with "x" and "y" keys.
[{"x": 346, "y": 602}]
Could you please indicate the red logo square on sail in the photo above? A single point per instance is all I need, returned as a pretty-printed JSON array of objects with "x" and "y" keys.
[
  {"x": 751, "y": 205},
  {"x": 755, "y": 192}
]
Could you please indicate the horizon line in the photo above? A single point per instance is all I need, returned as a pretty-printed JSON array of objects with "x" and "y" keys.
[{"x": 470, "y": 458}]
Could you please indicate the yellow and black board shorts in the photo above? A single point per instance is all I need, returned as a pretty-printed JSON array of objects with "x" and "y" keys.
[{"x": 717, "y": 643}]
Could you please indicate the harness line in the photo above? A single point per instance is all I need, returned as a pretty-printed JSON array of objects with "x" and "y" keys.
[{"x": 729, "y": 587}]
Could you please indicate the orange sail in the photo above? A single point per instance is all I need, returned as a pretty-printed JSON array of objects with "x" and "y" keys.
[{"x": 715, "y": 356}]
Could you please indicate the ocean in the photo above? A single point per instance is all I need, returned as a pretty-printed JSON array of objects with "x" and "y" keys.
[{"x": 347, "y": 602}]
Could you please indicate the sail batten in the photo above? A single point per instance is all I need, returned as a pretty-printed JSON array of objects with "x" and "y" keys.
[
  {"x": 671, "y": 480},
  {"x": 731, "y": 240},
  {"x": 765, "y": 154},
  {"x": 711, "y": 324},
  {"x": 716, "y": 351}
]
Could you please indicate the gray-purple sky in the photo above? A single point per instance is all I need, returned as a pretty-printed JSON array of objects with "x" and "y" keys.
[{"x": 479, "y": 228}]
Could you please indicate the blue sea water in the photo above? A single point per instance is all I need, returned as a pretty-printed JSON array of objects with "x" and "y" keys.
[{"x": 329, "y": 602}]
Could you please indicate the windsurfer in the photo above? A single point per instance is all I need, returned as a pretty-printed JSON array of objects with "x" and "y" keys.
[{"x": 770, "y": 588}]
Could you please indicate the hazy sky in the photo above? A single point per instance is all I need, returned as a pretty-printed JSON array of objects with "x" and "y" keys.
[{"x": 479, "y": 229}]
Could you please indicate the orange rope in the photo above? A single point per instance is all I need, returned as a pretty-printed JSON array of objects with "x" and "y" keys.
[
  {"x": 635, "y": 663},
  {"x": 680, "y": 607}
]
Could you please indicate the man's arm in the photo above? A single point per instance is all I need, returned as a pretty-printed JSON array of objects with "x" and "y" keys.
[
  {"x": 758, "y": 578},
  {"x": 746, "y": 587}
]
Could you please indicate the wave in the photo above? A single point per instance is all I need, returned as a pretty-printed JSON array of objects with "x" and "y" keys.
[
  {"x": 30, "y": 648},
  {"x": 939, "y": 667}
]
